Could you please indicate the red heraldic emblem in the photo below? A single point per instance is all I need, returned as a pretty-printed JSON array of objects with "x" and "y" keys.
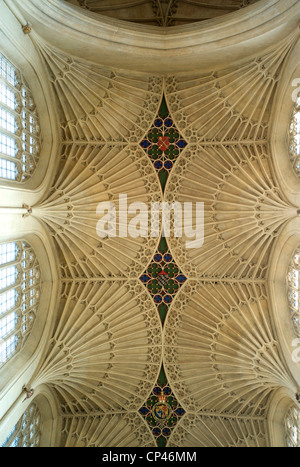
[{"x": 163, "y": 143}]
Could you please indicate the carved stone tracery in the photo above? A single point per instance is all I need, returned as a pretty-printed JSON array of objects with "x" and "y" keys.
[{"x": 217, "y": 343}]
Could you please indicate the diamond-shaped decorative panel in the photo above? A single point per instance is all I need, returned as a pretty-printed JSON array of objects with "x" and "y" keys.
[
  {"x": 163, "y": 143},
  {"x": 162, "y": 410},
  {"x": 163, "y": 278}
]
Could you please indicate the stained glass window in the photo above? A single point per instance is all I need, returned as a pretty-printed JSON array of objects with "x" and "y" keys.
[
  {"x": 294, "y": 290},
  {"x": 295, "y": 138},
  {"x": 19, "y": 296},
  {"x": 292, "y": 428},
  {"x": 26, "y": 432},
  {"x": 19, "y": 128}
]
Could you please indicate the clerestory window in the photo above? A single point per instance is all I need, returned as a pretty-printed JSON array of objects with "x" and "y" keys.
[
  {"x": 294, "y": 290},
  {"x": 19, "y": 296},
  {"x": 295, "y": 138},
  {"x": 26, "y": 432},
  {"x": 19, "y": 126},
  {"x": 292, "y": 428}
]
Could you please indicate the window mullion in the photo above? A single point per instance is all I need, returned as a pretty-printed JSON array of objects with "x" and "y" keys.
[
  {"x": 12, "y": 87},
  {"x": 16, "y": 301},
  {"x": 20, "y": 297},
  {"x": 27, "y": 430},
  {"x": 10, "y": 263},
  {"x": 20, "y": 143},
  {"x": 16, "y": 328}
]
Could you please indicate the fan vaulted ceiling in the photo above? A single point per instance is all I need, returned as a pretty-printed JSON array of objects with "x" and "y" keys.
[
  {"x": 162, "y": 12},
  {"x": 213, "y": 343}
]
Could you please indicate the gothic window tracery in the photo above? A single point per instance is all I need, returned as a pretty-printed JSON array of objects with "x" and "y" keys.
[
  {"x": 19, "y": 296},
  {"x": 26, "y": 432},
  {"x": 292, "y": 428},
  {"x": 215, "y": 338},
  {"x": 294, "y": 290},
  {"x": 295, "y": 138},
  {"x": 19, "y": 127}
]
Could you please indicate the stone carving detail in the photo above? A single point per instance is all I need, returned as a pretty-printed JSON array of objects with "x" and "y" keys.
[
  {"x": 231, "y": 105},
  {"x": 213, "y": 431},
  {"x": 216, "y": 340},
  {"x": 89, "y": 175},
  {"x": 244, "y": 210},
  {"x": 98, "y": 104},
  {"x": 107, "y": 337},
  {"x": 20, "y": 136},
  {"x": 224, "y": 332},
  {"x": 114, "y": 430},
  {"x": 163, "y": 13}
]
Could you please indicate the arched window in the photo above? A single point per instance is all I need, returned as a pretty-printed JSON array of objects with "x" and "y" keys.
[
  {"x": 26, "y": 432},
  {"x": 19, "y": 296},
  {"x": 19, "y": 128},
  {"x": 294, "y": 290},
  {"x": 292, "y": 428},
  {"x": 295, "y": 138}
]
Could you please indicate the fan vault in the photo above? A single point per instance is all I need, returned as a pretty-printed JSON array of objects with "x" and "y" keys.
[{"x": 153, "y": 343}]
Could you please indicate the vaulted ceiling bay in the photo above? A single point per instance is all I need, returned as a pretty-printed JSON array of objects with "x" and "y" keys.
[{"x": 151, "y": 343}]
